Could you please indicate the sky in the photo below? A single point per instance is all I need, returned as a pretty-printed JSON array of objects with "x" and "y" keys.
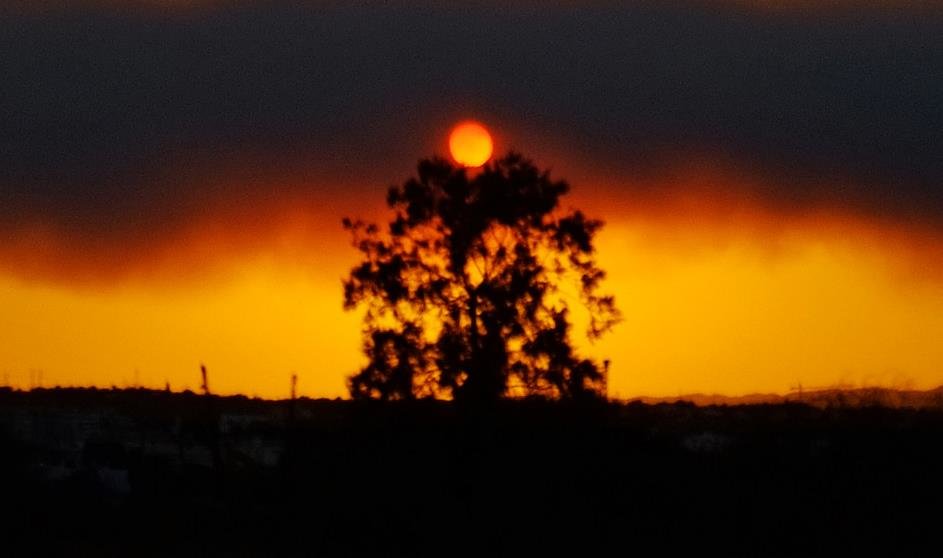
[{"x": 173, "y": 176}]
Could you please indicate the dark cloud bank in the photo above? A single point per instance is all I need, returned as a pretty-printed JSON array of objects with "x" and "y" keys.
[{"x": 108, "y": 116}]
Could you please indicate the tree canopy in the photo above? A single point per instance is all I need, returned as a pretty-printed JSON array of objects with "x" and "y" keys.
[{"x": 467, "y": 291}]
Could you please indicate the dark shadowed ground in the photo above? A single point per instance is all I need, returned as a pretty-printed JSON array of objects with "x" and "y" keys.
[{"x": 145, "y": 473}]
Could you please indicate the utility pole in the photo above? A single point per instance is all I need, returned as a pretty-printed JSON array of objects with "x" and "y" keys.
[
  {"x": 605, "y": 379},
  {"x": 289, "y": 435},
  {"x": 206, "y": 384},
  {"x": 212, "y": 426},
  {"x": 291, "y": 403}
]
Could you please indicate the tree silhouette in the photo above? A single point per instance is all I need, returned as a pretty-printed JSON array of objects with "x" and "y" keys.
[{"x": 467, "y": 293}]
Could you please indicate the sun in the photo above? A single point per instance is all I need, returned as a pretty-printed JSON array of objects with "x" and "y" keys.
[{"x": 470, "y": 144}]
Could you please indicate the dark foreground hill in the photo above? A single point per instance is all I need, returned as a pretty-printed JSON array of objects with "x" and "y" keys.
[{"x": 143, "y": 473}]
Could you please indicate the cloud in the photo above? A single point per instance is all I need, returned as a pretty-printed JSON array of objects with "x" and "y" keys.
[{"x": 119, "y": 127}]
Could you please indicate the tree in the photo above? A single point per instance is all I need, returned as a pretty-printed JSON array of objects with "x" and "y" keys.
[{"x": 467, "y": 293}]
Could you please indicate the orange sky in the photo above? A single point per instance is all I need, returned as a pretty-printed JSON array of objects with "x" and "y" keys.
[
  {"x": 720, "y": 295},
  {"x": 173, "y": 175}
]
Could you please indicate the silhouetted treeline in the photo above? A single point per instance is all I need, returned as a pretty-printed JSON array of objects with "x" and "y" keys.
[{"x": 425, "y": 477}]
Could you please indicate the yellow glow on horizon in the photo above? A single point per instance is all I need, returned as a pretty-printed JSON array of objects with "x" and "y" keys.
[
  {"x": 252, "y": 331},
  {"x": 733, "y": 319},
  {"x": 727, "y": 318}
]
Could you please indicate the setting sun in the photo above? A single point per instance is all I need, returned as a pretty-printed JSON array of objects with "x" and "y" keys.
[
  {"x": 284, "y": 278},
  {"x": 470, "y": 144}
]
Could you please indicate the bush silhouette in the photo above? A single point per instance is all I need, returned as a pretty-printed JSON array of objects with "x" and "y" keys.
[{"x": 464, "y": 291}]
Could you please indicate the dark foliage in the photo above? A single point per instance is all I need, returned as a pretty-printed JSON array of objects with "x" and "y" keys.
[
  {"x": 468, "y": 291},
  {"x": 531, "y": 478}
]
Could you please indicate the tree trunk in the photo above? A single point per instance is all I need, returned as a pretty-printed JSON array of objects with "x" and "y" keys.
[{"x": 484, "y": 382}]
